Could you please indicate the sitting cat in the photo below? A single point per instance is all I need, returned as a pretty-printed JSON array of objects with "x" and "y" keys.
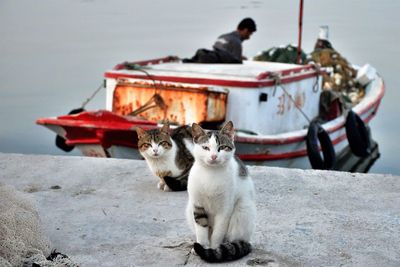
[
  {"x": 221, "y": 207},
  {"x": 167, "y": 155}
]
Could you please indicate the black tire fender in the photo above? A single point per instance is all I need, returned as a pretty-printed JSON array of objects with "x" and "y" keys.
[
  {"x": 60, "y": 141},
  {"x": 317, "y": 137},
  {"x": 358, "y": 135}
]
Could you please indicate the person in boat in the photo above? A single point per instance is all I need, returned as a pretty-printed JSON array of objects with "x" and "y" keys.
[
  {"x": 231, "y": 43},
  {"x": 228, "y": 47}
]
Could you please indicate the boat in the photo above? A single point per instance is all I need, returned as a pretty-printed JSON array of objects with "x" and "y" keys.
[{"x": 272, "y": 106}]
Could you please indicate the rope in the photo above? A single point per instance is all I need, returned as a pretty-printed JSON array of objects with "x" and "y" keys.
[
  {"x": 156, "y": 98},
  {"x": 92, "y": 96},
  {"x": 139, "y": 68},
  {"x": 276, "y": 77},
  {"x": 158, "y": 102},
  {"x": 318, "y": 70}
]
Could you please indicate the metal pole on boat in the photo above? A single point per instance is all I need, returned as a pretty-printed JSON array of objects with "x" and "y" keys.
[{"x": 300, "y": 32}]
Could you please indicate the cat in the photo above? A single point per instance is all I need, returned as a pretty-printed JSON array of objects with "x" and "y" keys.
[
  {"x": 167, "y": 155},
  {"x": 221, "y": 207}
]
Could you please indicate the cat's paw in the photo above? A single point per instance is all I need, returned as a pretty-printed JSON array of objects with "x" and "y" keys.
[
  {"x": 166, "y": 188},
  {"x": 161, "y": 185},
  {"x": 192, "y": 251}
]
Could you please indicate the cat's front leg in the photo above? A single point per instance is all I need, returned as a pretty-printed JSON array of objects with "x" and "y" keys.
[
  {"x": 221, "y": 223},
  {"x": 163, "y": 186},
  {"x": 201, "y": 226}
]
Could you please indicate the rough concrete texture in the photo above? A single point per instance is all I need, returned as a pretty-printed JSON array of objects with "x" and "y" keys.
[{"x": 108, "y": 212}]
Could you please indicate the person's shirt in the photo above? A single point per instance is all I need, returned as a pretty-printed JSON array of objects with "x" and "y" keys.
[{"x": 230, "y": 42}]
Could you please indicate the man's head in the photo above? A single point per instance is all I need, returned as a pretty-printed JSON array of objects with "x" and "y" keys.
[{"x": 246, "y": 28}]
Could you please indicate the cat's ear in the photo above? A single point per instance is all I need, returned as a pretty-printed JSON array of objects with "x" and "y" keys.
[
  {"x": 140, "y": 132},
  {"x": 165, "y": 127},
  {"x": 228, "y": 130},
  {"x": 197, "y": 132}
]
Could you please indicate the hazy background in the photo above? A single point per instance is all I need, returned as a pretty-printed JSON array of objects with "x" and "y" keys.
[{"x": 53, "y": 53}]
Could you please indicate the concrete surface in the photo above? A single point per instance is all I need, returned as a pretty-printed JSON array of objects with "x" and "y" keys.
[{"x": 109, "y": 212}]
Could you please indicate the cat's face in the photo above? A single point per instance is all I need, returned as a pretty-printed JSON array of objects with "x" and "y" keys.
[
  {"x": 154, "y": 143},
  {"x": 214, "y": 148}
]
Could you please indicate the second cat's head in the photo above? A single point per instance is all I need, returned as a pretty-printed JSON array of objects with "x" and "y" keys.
[
  {"x": 154, "y": 143},
  {"x": 214, "y": 148}
]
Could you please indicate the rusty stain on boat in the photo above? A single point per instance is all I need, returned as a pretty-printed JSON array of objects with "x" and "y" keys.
[{"x": 181, "y": 104}]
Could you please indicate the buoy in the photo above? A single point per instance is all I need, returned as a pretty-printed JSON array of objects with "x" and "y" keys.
[
  {"x": 357, "y": 135},
  {"x": 316, "y": 137}
]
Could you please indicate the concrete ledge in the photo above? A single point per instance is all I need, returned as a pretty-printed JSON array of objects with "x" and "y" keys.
[{"x": 108, "y": 212}]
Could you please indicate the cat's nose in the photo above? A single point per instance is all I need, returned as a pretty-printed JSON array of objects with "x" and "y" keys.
[{"x": 213, "y": 157}]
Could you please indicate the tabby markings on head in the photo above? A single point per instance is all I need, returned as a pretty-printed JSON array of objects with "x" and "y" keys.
[
  {"x": 167, "y": 155},
  {"x": 153, "y": 139},
  {"x": 224, "y": 141}
]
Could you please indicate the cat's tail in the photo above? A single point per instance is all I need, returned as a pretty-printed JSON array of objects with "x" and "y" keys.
[
  {"x": 177, "y": 183},
  {"x": 228, "y": 251}
]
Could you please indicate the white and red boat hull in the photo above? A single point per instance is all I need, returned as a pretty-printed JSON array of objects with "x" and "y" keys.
[{"x": 106, "y": 133}]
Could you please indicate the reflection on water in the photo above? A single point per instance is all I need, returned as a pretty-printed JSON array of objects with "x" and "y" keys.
[{"x": 53, "y": 53}]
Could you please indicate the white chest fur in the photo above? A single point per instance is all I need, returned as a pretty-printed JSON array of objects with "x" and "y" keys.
[{"x": 212, "y": 188}]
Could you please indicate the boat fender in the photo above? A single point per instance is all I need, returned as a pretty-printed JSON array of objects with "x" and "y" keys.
[
  {"x": 316, "y": 137},
  {"x": 60, "y": 141},
  {"x": 358, "y": 135}
]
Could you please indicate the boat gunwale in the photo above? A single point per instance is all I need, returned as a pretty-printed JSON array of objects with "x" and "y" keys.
[
  {"x": 262, "y": 79},
  {"x": 218, "y": 82}
]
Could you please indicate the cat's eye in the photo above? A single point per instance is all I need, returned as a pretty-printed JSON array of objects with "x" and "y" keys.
[
  {"x": 227, "y": 148},
  {"x": 163, "y": 143},
  {"x": 205, "y": 147},
  {"x": 146, "y": 145}
]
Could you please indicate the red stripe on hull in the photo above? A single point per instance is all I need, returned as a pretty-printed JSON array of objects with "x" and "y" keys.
[
  {"x": 287, "y": 155},
  {"x": 205, "y": 81}
]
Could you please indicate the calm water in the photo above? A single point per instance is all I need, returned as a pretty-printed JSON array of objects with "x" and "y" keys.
[{"x": 53, "y": 52}]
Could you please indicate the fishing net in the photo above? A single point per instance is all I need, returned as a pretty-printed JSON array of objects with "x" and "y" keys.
[
  {"x": 282, "y": 54},
  {"x": 340, "y": 75},
  {"x": 22, "y": 242}
]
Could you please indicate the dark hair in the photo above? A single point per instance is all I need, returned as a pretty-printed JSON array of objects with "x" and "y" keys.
[{"x": 247, "y": 23}]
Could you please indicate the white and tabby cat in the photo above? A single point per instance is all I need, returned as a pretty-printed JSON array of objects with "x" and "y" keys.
[
  {"x": 167, "y": 155},
  {"x": 221, "y": 207}
]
